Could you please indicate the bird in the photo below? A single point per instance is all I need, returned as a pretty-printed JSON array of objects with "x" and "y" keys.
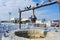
[
  {"x": 29, "y": 6},
  {"x": 37, "y": 4}
]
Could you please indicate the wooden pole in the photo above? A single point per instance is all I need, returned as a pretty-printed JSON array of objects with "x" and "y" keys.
[
  {"x": 19, "y": 19},
  {"x": 33, "y": 12},
  {"x": 39, "y": 6},
  {"x": 58, "y": 1}
]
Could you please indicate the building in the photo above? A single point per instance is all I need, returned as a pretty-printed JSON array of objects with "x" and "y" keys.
[
  {"x": 55, "y": 23},
  {"x": 42, "y": 24}
]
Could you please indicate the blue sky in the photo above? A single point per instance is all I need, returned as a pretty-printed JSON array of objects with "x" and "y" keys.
[
  {"x": 49, "y": 12},
  {"x": 52, "y": 12}
]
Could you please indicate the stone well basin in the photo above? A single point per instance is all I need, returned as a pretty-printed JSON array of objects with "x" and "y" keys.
[{"x": 36, "y": 33}]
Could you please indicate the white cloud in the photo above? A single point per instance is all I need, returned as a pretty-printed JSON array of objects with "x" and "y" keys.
[{"x": 12, "y": 6}]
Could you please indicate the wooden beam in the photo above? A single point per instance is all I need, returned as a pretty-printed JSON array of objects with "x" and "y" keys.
[
  {"x": 39, "y": 6},
  {"x": 19, "y": 19}
]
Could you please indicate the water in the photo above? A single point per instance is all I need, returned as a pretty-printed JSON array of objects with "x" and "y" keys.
[{"x": 12, "y": 26}]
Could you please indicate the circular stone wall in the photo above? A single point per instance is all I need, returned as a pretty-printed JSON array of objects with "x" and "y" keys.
[{"x": 31, "y": 33}]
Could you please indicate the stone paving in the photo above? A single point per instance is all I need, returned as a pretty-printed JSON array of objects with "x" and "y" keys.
[{"x": 53, "y": 36}]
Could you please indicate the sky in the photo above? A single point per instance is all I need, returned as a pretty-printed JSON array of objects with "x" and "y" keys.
[{"x": 48, "y": 12}]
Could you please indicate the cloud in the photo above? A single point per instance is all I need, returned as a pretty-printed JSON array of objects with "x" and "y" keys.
[{"x": 12, "y": 6}]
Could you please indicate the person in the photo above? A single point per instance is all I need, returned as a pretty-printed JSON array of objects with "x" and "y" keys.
[
  {"x": 6, "y": 34},
  {"x": 6, "y": 31},
  {"x": 56, "y": 28},
  {"x": 45, "y": 33}
]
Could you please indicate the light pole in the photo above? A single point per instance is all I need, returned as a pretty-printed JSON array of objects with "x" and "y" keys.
[{"x": 9, "y": 17}]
